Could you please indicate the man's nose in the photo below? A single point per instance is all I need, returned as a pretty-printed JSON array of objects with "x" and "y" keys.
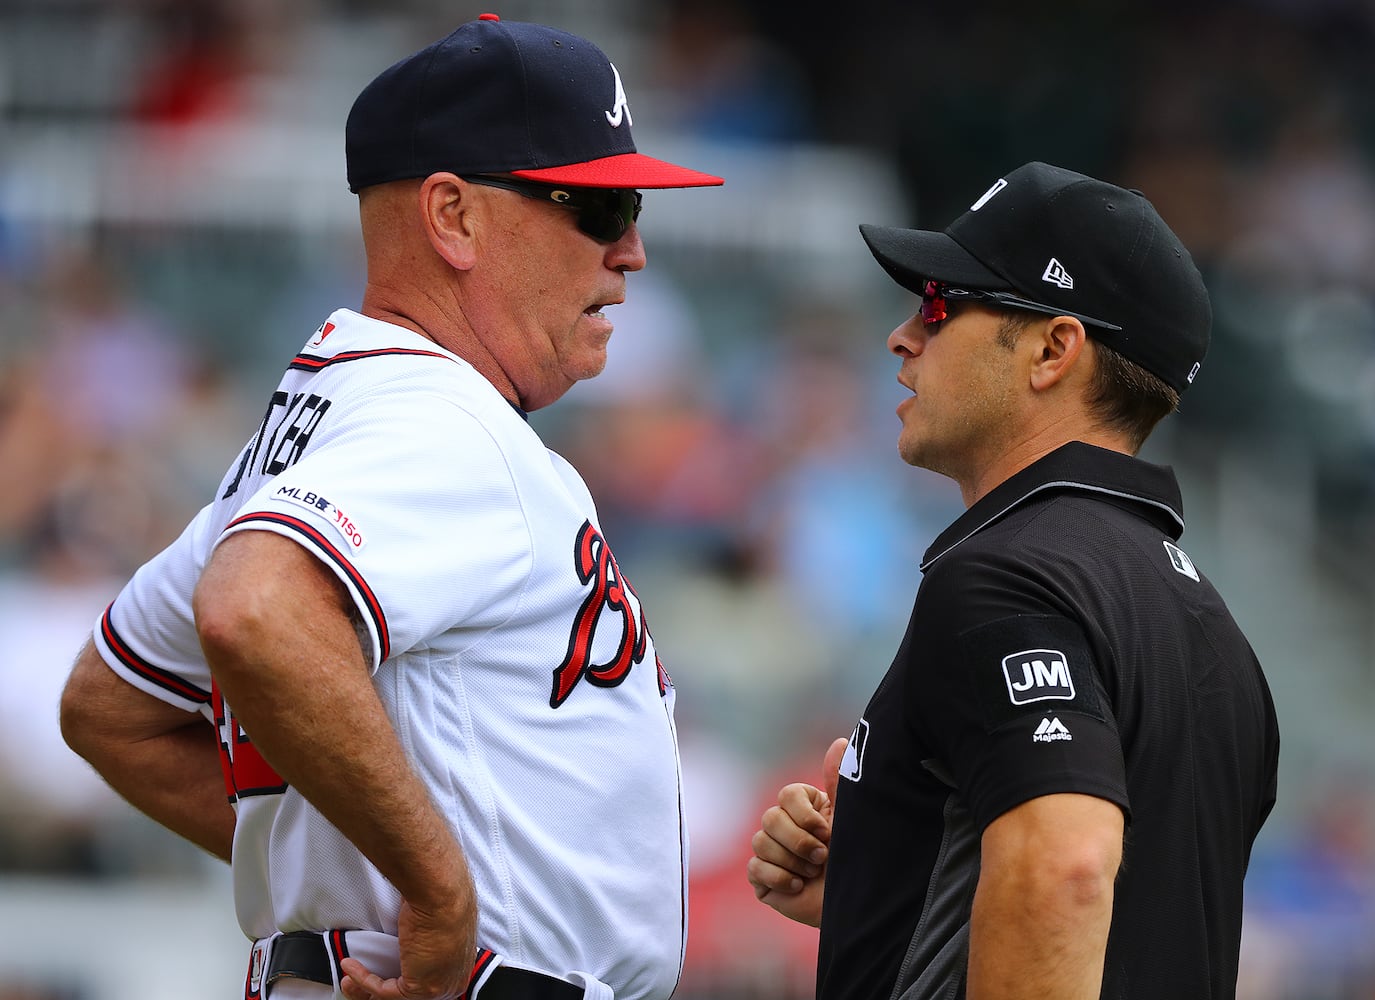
[{"x": 908, "y": 339}]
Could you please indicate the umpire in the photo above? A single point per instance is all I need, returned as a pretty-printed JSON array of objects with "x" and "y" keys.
[{"x": 1055, "y": 790}]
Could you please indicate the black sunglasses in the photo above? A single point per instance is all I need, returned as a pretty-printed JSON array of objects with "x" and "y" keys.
[
  {"x": 603, "y": 213},
  {"x": 934, "y": 296}
]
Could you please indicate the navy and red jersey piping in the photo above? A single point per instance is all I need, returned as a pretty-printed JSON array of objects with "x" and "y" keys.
[
  {"x": 338, "y": 951},
  {"x": 371, "y": 604},
  {"x": 165, "y": 679},
  {"x": 485, "y": 957},
  {"x": 315, "y": 362}
]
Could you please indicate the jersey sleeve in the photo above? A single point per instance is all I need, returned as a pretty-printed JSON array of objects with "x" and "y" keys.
[
  {"x": 148, "y": 633},
  {"x": 414, "y": 506},
  {"x": 1010, "y": 688}
]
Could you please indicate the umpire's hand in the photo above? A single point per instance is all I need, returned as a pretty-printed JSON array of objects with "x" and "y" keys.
[{"x": 788, "y": 870}]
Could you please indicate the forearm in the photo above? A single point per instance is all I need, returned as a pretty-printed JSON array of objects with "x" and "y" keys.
[
  {"x": 162, "y": 760},
  {"x": 325, "y": 732},
  {"x": 176, "y": 780},
  {"x": 296, "y": 680}
]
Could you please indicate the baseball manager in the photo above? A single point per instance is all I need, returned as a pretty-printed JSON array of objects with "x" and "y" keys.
[{"x": 394, "y": 671}]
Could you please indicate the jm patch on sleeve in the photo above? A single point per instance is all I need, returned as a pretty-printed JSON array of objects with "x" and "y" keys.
[{"x": 1030, "y": 665}]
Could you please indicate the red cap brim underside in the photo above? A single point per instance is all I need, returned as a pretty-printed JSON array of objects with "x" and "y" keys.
[{"x": 626, "y": 170}]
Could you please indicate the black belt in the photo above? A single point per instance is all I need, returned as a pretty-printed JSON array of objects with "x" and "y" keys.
[{"x": 303, "y": 955}]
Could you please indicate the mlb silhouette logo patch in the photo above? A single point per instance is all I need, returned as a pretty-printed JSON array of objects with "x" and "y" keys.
[
  {"x": 1181, "y": 562},
  {"x": 1038, "y": 675},
  {"x": 852, "y": 764}
]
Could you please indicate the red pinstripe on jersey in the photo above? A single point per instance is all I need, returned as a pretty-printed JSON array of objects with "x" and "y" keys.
[{"x": 370, "y": 601}]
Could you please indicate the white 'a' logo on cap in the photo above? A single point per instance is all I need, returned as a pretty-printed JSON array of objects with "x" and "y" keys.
[{"x": 619, "y": 105}]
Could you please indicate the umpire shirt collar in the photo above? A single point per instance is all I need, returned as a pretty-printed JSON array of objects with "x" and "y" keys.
[{"x": 1149, "y": 490}]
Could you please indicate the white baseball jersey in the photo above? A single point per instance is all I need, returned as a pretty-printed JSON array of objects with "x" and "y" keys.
[{"x": 511, "y": 654}]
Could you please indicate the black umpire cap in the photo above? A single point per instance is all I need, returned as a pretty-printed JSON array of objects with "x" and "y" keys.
[{"x": 1068, "y": 244}]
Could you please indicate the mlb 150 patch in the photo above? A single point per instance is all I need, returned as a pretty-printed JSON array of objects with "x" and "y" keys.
[
  {"x": 1030, "y": 665},
  {"x": 332, "y": 513}
]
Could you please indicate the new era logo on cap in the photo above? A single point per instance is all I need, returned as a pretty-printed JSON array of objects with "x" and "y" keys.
[{"x": 1056, "y": 274}]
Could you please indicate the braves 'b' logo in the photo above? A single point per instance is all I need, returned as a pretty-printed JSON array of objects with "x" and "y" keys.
[{"x": 610, "y": 592}]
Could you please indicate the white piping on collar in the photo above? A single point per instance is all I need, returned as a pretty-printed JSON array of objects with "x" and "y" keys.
[{"x": 1056, "y": 485}]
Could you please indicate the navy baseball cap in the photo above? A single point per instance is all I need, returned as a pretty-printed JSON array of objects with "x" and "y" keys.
[
  {"x": 1077, "y": 246},
  {"x": 503, "y": 97}
]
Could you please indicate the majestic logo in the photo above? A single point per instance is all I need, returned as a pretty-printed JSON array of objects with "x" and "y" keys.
[
  {"x": 1181, "y": 562},
  {"x": 1050, "y": 730},
  {"x": 609, "y": 593},
  {"x": 1193, "y": 372},
  {"x": 988, "y": 195},
  {"x": 1037, "y": 675},
  {"x": 852, "y": 764},
  {"x": 619, "y": 105},
  {"x": 1056, "y": 274}
]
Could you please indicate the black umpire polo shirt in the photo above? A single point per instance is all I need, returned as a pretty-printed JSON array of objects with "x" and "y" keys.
[{"x": 1060, "y": 642}]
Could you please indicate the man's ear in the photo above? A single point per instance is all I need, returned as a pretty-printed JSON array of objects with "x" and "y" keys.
[
  {"x": 1059, "y": 349},
  {"x": 448, "y": 213}
]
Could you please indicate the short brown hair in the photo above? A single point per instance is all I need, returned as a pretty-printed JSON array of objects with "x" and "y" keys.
[
  {"x": 1123, "y": 395},
  {"x": 1127, "y": 398}
]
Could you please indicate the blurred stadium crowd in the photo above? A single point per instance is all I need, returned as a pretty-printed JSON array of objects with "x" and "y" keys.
[{"x": 174, "y": 223}]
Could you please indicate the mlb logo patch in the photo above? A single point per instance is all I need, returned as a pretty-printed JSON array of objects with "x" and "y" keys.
[
  {"x": 1180, "y": 561},
  {"x": 852, "y": 764},
  {"x": 1038, "y": 675}
]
